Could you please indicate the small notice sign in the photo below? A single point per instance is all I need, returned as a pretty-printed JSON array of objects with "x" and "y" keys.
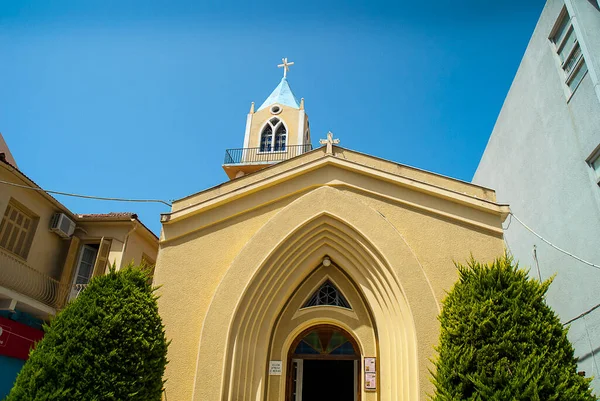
[
  {"x": 370, "y": 381},
  {"x": 275, "y": 368},
  {"x": 369, "y": 364},
  {"x": 370, "y": 373}
]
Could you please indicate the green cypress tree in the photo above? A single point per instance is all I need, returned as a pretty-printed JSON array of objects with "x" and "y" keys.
[
  {"x": 108, "y": 344},
  {"x": 500, "y": 341}
]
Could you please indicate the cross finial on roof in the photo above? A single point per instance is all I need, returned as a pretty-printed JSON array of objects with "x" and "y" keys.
[
  {"x": 329, "y": 142},
  {"x": 285, "y": 66}
]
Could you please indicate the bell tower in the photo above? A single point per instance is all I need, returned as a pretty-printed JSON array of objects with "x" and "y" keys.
[{"x": 278, "y": 130}]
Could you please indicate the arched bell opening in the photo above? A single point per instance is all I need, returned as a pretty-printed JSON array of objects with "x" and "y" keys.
[{"x": 323, "y": 363}]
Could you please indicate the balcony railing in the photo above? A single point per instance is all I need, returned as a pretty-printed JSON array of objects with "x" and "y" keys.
[
  {"x": 76, "y": 290},
  {"x": 18, "y": 276},
  {"x": 268, "y": 155}
]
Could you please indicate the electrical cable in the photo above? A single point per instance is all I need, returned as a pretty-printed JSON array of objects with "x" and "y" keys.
[
  {"x": 587, "y": 312},
  {"x": 18, "y": 335},
  {"x": 507, "y": 246},
  {"x": 552, "y": 245},
  {"x": 566, "y": 253},
  {"x": 88, "y": 196}
]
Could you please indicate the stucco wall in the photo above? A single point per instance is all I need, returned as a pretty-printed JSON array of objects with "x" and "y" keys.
[
  {"x": 95, "y": 231},
  {"x": 536, "y": 161},
  {"x": 137, "y": 245},
  {"x": 382, "y": 165},
  {"x": 49, "y": 254},
  {"x": 288, "y": 115},
  {"x": 228, "y": 268},
  {"x": 128, "y": 240},
  {"x": 47, "y": 249}
]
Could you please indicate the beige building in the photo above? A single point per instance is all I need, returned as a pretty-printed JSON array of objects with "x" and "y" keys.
[
  {"x": 48, "y": 254},
  {"x": 314, "y": 272}
]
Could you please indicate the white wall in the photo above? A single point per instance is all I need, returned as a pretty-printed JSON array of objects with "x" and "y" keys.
[{"x": 535, "y": 160}]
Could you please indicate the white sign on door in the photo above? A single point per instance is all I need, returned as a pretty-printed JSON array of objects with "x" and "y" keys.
[
  {"x": 369, "y": 364},
  {"x": 275, "y": 368},
  {"x": 370, "y": 373},
  {"x": 370, "y": 381}
]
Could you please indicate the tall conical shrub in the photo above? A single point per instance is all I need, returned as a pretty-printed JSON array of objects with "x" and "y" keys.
[
  {"x": 108, "y": 344},
  {"x": 500, "y": 341}
]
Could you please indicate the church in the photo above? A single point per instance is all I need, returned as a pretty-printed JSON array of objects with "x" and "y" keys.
[{"x": 313, "y": 273}]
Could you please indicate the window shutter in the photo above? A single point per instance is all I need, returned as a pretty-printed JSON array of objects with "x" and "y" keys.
[
  {"x": 102, "y": 258},
  {"x": 67, "y": 272}
]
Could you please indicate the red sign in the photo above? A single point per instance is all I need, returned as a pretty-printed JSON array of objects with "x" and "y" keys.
[{"x": 16, "y": 339}]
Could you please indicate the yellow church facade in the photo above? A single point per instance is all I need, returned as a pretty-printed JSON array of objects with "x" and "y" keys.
[{"x": 313, "y": 274}]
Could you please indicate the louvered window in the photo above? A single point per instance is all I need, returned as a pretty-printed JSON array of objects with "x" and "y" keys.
[
  {"x": 17, "y": 229},
  {"x": 569, "y": 52}
]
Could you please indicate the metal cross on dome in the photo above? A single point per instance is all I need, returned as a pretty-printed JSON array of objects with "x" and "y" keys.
[
  {"x": 285, "y": 66},
  {"x": 329, "y": 142}
]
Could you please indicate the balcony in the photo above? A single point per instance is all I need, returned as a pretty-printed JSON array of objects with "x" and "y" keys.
[
  {"x": 255, "y": 155},
  {"x": 76, "y": 290},
  {"x": 248, "y": 160},
  {"x": 17, "y": 276}
]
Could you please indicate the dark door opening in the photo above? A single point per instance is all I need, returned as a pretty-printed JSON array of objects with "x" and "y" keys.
[
  {"x": 323, "y": 366},
  {"x": 327, "y": 380}
]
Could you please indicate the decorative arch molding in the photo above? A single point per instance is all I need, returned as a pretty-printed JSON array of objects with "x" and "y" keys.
[
  {"x": 234, "y": 349},
  {"x": 293, "y": 320}
]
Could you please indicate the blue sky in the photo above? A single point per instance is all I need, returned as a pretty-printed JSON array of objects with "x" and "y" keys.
[{"x": 140, "y": 99}]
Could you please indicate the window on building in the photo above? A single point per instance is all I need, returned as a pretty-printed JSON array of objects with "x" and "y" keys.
[
  {"x": 17, "y": 229},
  {"x": 273, "y": 136},
  {"x": 84, "y": 269},
  {"x": 327, "y": 294},
  {"x": 91, "y": 262},
  {"x": 568, "y": 50},
  {"x": 266, "y": 139},
  {"x": 325, "y": 341},
  {"x": 280, "y": 138}
]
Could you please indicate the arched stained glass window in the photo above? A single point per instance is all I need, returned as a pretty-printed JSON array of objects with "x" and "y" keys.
[
  {"x": 326, "y": 340},
  {"x": 280, "y": 138},
  {"x": 273, "y": 136},
  {"x": 327, "y": 294},
  {"x": 266, "y": 139}
]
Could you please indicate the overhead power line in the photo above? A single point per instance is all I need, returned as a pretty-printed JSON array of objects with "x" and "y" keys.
[
  {"x": 104, "y": 198},
  {"x": 566, "y": 253},
  {"x": 552, "y": 245},
  {"x": 582, "y": 315}
]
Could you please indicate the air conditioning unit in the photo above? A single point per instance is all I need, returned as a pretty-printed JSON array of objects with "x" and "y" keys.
[{"x": 62, "y": 225}]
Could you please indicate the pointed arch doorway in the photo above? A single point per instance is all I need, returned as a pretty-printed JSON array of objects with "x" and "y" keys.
[{"x": 323, "y": 365}]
